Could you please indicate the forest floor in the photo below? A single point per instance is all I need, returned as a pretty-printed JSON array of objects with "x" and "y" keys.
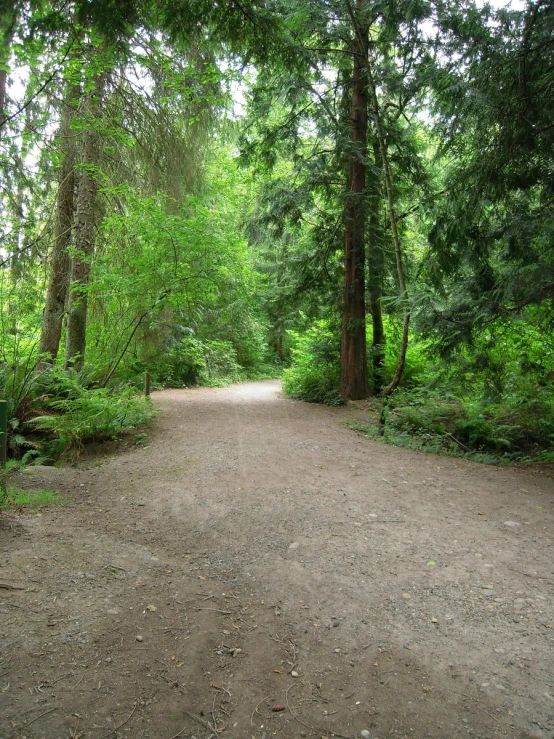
[{"x": 255, "y": 569}]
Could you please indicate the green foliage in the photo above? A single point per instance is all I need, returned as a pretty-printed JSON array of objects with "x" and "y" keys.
[
  {"x": 195, "y": 362},
  {"x": 314, "y": 374},
  {"x": 90, "y": 415},
  {"x": 175, "y": 281},
  {"x": 176, "y": 288},
  {"x": 491, "y": 241},
  {"x": 18, "y": 380},
  {"x": 66, "y": 407},
  {"x": 416, "y": 371},
  {"x": 517, "y": 427},
  {"x": 314, "y": 371}
]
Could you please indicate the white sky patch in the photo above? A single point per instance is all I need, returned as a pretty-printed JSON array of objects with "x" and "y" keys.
[{"x": 18, "y": 76}]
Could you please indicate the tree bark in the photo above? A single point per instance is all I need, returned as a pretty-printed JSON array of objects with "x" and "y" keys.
[
  {"x": 354, "y": 374},
  {"x": 394, "y": 228},
  {"x": 84, "y": 235},
  {"x": 8, "y": 21},
  {"x": 363, "y": 46},
  {"x": 3, "y": 81},
  {"x": 376, "y": 271},
  {"x": 18, "y": 216},
  {"x": 58, "y": 277}
]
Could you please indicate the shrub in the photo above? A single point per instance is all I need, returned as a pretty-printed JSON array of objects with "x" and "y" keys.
[
  {"x": 91, "y": 414},
  {"x": 192, "y": 361},
  {"x": 515, "y": 427},
  {"x": 314, "y": 374}
]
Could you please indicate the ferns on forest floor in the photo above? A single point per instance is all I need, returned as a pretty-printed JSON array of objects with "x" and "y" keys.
[
  {"x": 96, "y": 414},
  {"x": 52, "y": 410},
  {"x": 483, "y": 431}
]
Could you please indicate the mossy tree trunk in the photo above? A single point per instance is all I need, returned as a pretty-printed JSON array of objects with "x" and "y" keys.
[
  {"x": 58, "y": 276},
  {"x": 84, "y": 232},
  {"x": 376, "y": 270}
]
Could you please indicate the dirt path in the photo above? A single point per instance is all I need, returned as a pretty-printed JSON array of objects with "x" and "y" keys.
[{"x": 256, "y": 556}]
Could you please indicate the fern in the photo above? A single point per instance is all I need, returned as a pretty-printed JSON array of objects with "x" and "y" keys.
[{"x": 92, "y": 415}]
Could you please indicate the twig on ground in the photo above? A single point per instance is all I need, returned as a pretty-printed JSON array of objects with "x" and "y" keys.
[
  {"x": 529, "y": 574},
  {"x": 213, "y": 715},
  {"x": 7, "y": 586},
  {"x": 204, "y": 723},
  {"x": 221, "y": 690},
  {"x": 226, "y": 613},
  {"x": 15, "y": 605},
  {"x": 387, "y": 520},
  {"x": 317, "y": 693},
  {"x": 50, "y": 710},
  {"x": 57, "y": 680},
  {"x": 293, "y": 645},
  {"x": 308, "y": 726},
  {"x": 78, "y": 682},
  {"x": 180, "y": 733},
  {"x": 116, "y": 728},
  {"x": 256, "y": 710},
  {"x": 463, "y": 446}
]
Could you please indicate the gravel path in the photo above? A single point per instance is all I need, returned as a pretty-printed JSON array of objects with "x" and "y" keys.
[{"x": 258, "y": 570}]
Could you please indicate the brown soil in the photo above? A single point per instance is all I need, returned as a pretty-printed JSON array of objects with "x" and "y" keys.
[{"x": 256, "y": 555}]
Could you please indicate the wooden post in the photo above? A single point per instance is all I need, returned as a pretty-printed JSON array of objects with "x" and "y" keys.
[
  {"x": 147, "y": 384},
  {"x": 3, "y": 432}
]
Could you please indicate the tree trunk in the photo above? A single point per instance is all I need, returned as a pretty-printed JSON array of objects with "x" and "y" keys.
[
  {"x": 84, "y": 235},
  {"x": 18, "y": 217},
  {"x": 8, "y": 21},
  {"x": 280, "y": 322},
  {"x": 354, "y": 376},
  {"x": 363, "y": 46},
  {"x": 58, "y": 277},
  {"x": 376, "y": 271},
  {"x": 394, "y": 228},
  {"x": 3, "y": 81}
]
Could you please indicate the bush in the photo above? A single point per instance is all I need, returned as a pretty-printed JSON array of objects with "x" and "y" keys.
[
  {"x": 51, "y": 410},
  {"x": 91, "y": 415},
  {"x": 314, "y": 374},
  {"x": 515, "y": 427},
  {"x": 192, "y": 361}
]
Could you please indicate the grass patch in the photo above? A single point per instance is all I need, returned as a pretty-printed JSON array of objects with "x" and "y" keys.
[{"x": 27, "y": 498}]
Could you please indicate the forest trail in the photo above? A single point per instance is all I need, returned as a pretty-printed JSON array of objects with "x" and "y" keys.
[{"x": 256, "y": 555}]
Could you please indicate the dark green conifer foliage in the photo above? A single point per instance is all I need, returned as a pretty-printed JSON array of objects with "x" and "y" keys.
[{"x": 491, "y": 245}]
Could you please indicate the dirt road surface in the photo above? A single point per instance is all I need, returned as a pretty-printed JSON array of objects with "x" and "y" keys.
[{"x": 257, "y": 570}]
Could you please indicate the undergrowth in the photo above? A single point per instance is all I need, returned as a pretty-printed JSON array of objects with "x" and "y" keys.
[
  {"x": 52, "y": 411},
  {"x": 90, "y": 415},
  {"x": 514, "y": 429},
  {"x": 314, "y": 374}
]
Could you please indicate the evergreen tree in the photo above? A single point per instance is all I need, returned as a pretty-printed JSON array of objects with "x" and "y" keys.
[{"x": 492, "y": 239}]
